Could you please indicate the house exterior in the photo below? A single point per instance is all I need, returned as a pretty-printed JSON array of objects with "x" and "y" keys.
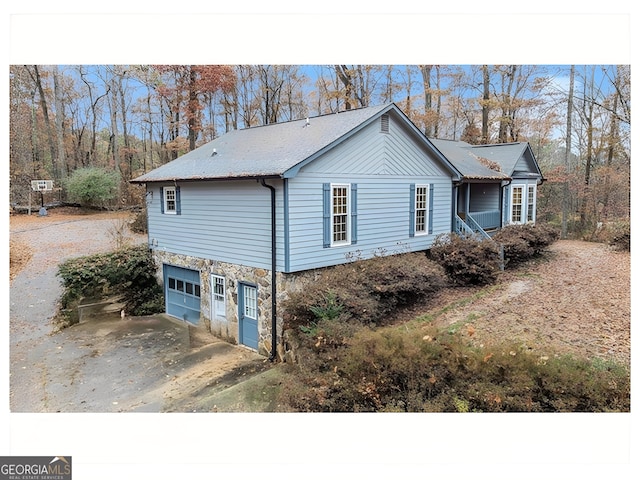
[
  {"x": 238, "y": 222},
  {"x": 497, "y": 186}
]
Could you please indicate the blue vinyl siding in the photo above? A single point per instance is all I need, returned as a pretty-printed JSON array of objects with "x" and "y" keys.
[
  {"x": 226, "y": 221},
  {"x": 484, "y": 197},
  {"x": 383, "y": 166},
  {"x": 383, "y": 220}
]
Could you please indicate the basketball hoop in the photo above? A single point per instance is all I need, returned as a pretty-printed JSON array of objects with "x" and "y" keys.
[{"x": 41, "y": 186}]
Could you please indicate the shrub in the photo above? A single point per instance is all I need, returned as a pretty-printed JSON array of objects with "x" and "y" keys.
[
  {"x": 129, "y": 272},
  {"x": 466, "y": 260},
  {"x": 426, "y": 370},
  {"x": 524, "y": 242},
  {"x": 616, "y": 234},
  {"x": 365, "y": 290},
  {"x": 92, "y": 186},
  {"x": 621, "y": 238},
  {"x": 140, "y": 224}
]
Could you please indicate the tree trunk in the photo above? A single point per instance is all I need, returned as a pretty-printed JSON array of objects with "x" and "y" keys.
[
  {"x": 115, "y": 150},
  {"x": 125, "y": 127},
  {"x": 47, "y": 122},
  {"x": 192, "y": 111},
  {"x": 438, "y": 104},
  {"x": 567, "y": 155},
  {"x": 426, "y": 84},
  {"x": 588, "y": 111},
  {"x": 59, "y": 104},
  {"x": 485, "y": 104},
  {"x": 613, "y": 140}
]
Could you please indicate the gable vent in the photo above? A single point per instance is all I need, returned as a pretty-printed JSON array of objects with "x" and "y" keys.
[{"x": 384, "y": 123}]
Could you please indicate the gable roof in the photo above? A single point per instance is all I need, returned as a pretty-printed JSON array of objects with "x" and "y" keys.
[
  {"x": 275, "y": 150},
  {"x": 488, "y": 162}
]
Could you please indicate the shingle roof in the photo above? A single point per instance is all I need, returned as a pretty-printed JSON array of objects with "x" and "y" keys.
[
  {"x": 484, "y": 162},
  {"x": 505, "y": 154},
  {"x": 266, "y": 151},
  {"x": 461, "y": 155}
]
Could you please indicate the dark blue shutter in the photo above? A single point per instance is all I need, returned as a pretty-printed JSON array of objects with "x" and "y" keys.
[
  {"x": 326, "y": 215},
  {"x": 161, "y": 199},
  {"x": 412, "y": 210},
  {"x": 354, "y": 213},
  {"x": 177, "y": 200},
  {"x": 431, "y": 208},
  {"x": 506, "y": 215}
]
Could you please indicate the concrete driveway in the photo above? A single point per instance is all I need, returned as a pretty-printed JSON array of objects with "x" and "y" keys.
[{"x": 107, "y": 363}]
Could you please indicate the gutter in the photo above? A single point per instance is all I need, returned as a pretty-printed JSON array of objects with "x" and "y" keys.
[{"x": 274, "y": 335}]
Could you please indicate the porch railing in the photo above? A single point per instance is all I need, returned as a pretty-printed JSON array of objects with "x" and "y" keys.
[
  {"x": 476, "y": 227},
  {"x": 487, "y": 220},
  {"x": 462, "y": 228}
]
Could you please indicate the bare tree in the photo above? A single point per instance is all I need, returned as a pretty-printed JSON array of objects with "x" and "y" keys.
[{"x": 567, "y": 153}]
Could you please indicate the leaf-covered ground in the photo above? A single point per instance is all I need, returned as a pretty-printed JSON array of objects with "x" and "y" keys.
[{"x": 576, "y": 300}]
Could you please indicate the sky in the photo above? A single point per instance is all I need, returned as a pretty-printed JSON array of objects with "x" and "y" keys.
[{"x": 450, "y": 446}]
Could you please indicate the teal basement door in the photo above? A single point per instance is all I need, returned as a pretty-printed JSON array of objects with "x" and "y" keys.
[{"x": 182, "y": 293}]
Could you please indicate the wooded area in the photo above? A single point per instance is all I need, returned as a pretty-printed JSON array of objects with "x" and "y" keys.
[{"x": 129, "y": 119}]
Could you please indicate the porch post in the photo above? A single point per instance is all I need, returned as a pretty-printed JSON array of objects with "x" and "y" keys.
[{"x": 468, "y": 201}]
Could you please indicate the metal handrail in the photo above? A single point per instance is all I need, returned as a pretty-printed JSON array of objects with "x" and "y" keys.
[
  {"x": 470, "y": 227},
  {"x": 475, "y": 226}
]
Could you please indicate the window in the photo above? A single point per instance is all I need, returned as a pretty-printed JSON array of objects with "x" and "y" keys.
[
  {"x": 531, "y": 203},
  {"x": 422, "y": 208},
  {"x": 340, "y": 214},
  {"x": 183, "y": 286},
  {"x": 250, "y": 302},
  {"x": 218, "y": 307},
  {"x": 516, "y": 204},
  {"x": 171, "y": 200}
]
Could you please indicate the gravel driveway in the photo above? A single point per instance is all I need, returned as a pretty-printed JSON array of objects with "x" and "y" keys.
[{"x": 106, "y": 364}]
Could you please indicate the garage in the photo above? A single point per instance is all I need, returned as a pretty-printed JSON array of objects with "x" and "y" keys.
[{"x": 182, "y": 293}]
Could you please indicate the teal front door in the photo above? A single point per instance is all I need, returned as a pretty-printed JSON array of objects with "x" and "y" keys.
[
  {"x": 248, "y": 315},
  {"x": 182, "y": 293}
]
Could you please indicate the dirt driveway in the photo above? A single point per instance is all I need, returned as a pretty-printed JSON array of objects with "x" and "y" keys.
[
  {"x": 105, "y": 364},
  {"x": 576, "y": 300}
]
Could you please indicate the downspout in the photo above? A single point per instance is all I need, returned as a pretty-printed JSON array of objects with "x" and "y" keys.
[
  {"x": 274, "y": 289},
  {"x": 503, "y": 183}
]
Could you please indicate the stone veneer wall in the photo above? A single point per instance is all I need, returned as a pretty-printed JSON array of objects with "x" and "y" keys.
[{"x": 234, "y": 274}]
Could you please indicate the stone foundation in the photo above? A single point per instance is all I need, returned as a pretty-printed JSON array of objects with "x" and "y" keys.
[{"x": 227, "y": 328}]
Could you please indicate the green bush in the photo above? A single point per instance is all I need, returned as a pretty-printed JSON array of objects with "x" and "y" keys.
[
  {"x": 129, "y": 272},
  {"x": 466, "y": 260},
  {"x": 524, "y": 242},
  {"x": 365, "y": 291},
  {"x": 93, "y": 187},
  {"x": 425, "y": 370}
]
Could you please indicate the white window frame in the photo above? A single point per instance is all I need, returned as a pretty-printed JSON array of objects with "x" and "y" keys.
[
  {"x": 250, "y": 295},
  {"x": 424, "y": 229},
  {"x": 531, "y": 203},
  {"x": 217, "y": 299},
  {"x": 165, "y": 199},
  {"x": 523, "y": 203},
  {"x": 347, "y": 214}
]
